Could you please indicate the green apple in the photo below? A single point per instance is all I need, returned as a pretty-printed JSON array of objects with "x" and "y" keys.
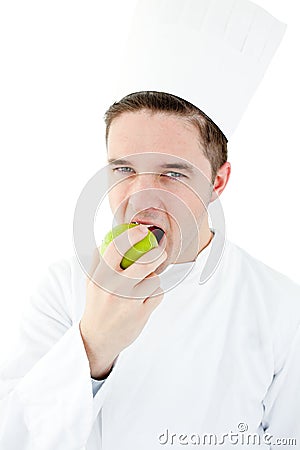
[{"x": 134, "y": 253}]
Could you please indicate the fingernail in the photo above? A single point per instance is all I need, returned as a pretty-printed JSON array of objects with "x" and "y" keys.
[{"x": 143, "y": 229}]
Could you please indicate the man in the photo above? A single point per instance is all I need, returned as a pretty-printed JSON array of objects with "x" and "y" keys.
[
  {"x": 216, "y": 362},
  {"x": 151, "y": 129},
  {"x": 199, "y": 360}
]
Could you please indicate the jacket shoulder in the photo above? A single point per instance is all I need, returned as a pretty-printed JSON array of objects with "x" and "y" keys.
[{"x": 273, "y": 285}]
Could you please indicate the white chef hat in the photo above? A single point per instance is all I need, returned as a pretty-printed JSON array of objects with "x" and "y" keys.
[{"x": 212, "y": 53}]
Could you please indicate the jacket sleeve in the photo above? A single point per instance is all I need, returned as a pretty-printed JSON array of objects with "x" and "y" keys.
[
  {"x": 46, "y": 393},
  {"x": 282, "y": 402}
]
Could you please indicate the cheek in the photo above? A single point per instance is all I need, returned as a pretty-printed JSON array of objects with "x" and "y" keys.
[
  {"x": 115, "y": 198},
  {"x": 118, "y": 192},
  {"x": 191, "y": 211},
  {"x": 190, "y": 201}
]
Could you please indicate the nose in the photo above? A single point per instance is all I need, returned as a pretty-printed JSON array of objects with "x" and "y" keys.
[{"x": 145, "y": 192}]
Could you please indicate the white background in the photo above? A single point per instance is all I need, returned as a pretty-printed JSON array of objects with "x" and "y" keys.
[{"x": 56, "y": 59}]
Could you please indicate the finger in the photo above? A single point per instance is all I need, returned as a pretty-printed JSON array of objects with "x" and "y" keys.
[
  {"x": 119, "y": 246},
  {"x": 108, "y": 267},
  {"x": 151, "y": 256},
  {"x": 123, "y": 283},
  {"x": 146, "y": 287},
  {"x": 145, "y": 265}
]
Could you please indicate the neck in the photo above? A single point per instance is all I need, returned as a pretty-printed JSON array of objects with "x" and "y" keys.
[{"x": 206, "y": 235}]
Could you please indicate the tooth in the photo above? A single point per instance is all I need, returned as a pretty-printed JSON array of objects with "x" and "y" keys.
[{"x": 146, "y": 224}]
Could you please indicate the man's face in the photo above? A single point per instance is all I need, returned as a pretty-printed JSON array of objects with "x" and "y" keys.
[{"x": 160, "y": 176}]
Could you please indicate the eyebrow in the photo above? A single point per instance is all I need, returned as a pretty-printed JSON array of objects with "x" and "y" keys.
[
  {"x": 116, "y": 162},
  {"x": 181, "y": 166}
]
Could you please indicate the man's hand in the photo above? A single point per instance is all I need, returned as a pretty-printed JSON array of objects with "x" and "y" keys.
[{"x": 118, "y": 302}]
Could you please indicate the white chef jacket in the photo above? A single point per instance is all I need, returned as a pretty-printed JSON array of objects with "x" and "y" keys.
[{"x": 214, "y": 358}]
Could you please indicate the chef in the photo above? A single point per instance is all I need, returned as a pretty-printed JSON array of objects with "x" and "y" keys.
[{"x": 196, "y": 343}]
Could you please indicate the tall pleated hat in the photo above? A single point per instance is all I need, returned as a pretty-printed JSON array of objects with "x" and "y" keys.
[{"x": 212, "y": 53}]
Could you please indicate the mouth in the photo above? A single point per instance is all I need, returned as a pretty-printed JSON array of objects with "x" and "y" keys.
[{"x": 156, "y": 230}]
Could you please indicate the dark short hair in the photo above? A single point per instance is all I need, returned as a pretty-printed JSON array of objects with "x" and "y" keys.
[{"x": 211, "y": 137}]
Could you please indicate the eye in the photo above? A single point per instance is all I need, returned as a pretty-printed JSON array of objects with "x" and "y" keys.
[
  {"x": 123, "y": 170},
  {"x": 174, "y": 175}
]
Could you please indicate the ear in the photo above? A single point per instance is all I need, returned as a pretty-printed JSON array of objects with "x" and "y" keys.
[{"x": 221, "y": 181}]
